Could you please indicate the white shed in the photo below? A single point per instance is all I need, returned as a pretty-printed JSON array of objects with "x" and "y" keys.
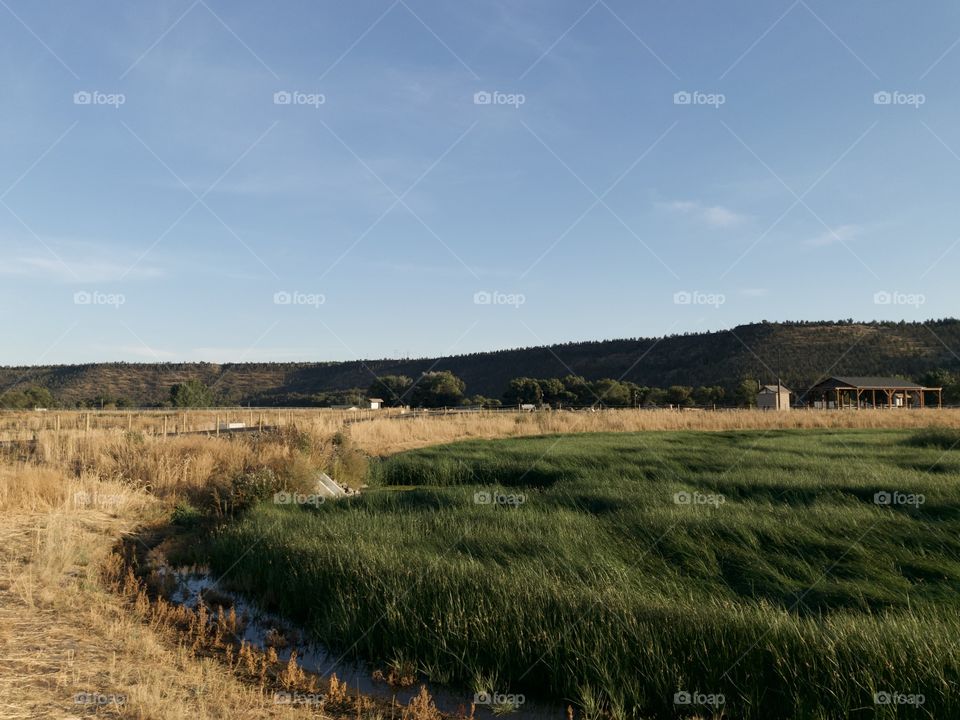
[
  {"x": 773, "y": 397},
  {"x": 376, "y": 403}
]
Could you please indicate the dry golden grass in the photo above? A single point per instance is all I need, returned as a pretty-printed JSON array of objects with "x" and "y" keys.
[
  {"x": 384, "y": 436},
  {"x": 24, "y": 425},
  {"x": 63, "y": 632}
]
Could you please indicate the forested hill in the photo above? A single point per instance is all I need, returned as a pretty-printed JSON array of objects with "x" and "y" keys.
[{"x": 803, "y": 352}]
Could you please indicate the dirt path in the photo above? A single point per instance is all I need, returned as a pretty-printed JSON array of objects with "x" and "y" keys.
[{"x": 62, "y": 634}]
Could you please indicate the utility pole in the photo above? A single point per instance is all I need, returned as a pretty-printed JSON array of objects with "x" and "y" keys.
[{"x": 778, "y": 378}]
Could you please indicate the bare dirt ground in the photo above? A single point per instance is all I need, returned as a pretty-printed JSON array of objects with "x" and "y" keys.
[{"x": 69, "y": 648}]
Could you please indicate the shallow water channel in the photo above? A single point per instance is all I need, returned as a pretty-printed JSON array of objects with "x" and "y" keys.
[{"x": 260, "y": 629}]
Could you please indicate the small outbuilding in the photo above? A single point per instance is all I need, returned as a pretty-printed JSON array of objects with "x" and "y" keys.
[
  {"x": 870, "y": 392},
  {"x": 376, "y": 403},
  {"x": 773, "y": 397}
]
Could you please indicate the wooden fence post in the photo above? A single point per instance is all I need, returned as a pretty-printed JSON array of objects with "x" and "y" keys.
[{"x": 218, "y": 425}]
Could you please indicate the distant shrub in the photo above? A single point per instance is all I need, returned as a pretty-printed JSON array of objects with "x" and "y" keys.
[
  {"x": 252, "y": 487},
  {"x": 295, "y": 473},
  {"x": 940, "y": 438},
  {"x": 350, "y": 467},
  {"x": 186, "y": 515}
]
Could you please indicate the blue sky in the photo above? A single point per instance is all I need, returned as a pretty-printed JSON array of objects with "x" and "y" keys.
[{"x": 161, "y": 200}]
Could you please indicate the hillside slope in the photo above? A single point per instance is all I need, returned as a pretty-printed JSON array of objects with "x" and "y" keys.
[{"x": 803, "y": 352}]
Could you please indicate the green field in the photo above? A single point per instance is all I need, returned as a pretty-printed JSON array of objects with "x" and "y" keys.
[{"x": 753, "y": 565}]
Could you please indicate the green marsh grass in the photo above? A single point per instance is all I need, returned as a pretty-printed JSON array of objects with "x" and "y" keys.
[{"x": 756, "y": 565}]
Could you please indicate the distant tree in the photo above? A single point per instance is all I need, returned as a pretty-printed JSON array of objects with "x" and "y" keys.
[
  {"x": 712, "y": 395},
  {"x": 950, "y": 382},
  {"x": 655, "y": 396},
  {"x": 523, "y": 391},
  {"x": 746, "y": 393},
  {"x": 191, "y": 393},
  {"x": 37, "y": 396},
  {"x": 392, "y": 389},
  {"x": 437, "y": 389},
  {"x": 638, "y": 393},
  {"x": 34, "y": 396},
  {"x": 611, "y": 392},
  {"x": 555, "y": 393},
  {"x": 578, "y": 388},
  {"x": 484, "y": 402},
  {"x": 681, "y": 395}
]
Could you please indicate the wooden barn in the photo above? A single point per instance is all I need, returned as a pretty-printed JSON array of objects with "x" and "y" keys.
[{"x": 870, "y": 392}]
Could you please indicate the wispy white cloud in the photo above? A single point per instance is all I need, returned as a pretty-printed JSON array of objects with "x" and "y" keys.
[
  {"x": 68, "y": 269},
  {"x": 839, "y": 234},
  {"x": 74, "y": 260},
  {"x": 754, "y": 292},
  {"x": 713, "y": 215}
]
